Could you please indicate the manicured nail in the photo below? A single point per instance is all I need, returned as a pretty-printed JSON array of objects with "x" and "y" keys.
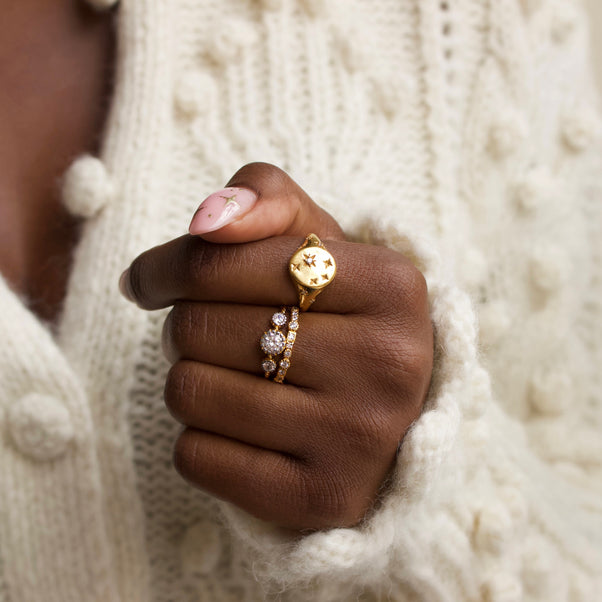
[
  {"x": 124, "y": 285},
  {"x": 221, "y": 208}
]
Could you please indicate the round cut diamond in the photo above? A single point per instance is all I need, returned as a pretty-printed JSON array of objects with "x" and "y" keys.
[
  {"x": 279, "y": 319},
  {"x": 269, "y": 366},
  {"x": 293, "y": 325},
  {"x": 272, "y": 342}
]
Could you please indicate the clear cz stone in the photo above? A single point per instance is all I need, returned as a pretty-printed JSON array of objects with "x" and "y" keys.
[
  {"x": 285, "y": 364},
  {"x": 269, "y": 366},
  {"x": 292, "y": 336},
  {"x": 279, "y": 319},
  {"x": 272, "y": 342},
  {"x": 287, "y": 353},
  {"x": 293, "y": 325}
]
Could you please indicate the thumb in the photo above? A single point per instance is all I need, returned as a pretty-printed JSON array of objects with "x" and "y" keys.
[{"x": 260, "y": 201}]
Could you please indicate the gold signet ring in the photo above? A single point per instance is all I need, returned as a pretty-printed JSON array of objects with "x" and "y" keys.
[{"x": 312, "y": 269}]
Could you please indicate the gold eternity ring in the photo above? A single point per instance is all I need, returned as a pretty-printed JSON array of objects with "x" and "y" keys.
[{"x": 312, "y": 268}]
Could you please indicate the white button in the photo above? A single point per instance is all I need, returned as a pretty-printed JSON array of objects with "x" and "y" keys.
[
  {"x": 87, "y": 187},
  {"x": 40, "y": 426},
  {"x": 201, "y": 549}
]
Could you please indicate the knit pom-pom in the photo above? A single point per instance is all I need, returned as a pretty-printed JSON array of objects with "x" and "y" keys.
[
  {"x": 502, "y": 587},
  {"x": 580, "y": 128},
  {"x": 314, "y": 8},
  {"x": 40, "y": 426},
  {"x": 549, "y": 392},
  {"x": 494, "y": 321},
  {"x": 507, "y": 133},
  {"x": 493, "y": 528},
  {"x": 87, "y": 187},
  {"x": 196, "y": 93},
  {"x": 534, "y": 190},
  {"x": 563, "y": 20},
  {"x": 228, "y": 41},
  {"x": 548, "y": 268},
  {"x": 271, "y": 4},
  {"x": 200, "y": 549},
  {"x": 389, "y": 94},
  {"x": 102, "y": 4},
  {"x": 352, "y": 46}
]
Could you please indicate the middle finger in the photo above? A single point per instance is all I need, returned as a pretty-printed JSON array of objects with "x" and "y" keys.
[{"x": 228, "y": 335}]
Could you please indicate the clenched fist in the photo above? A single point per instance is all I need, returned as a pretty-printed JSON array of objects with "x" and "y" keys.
[{"x": 311, "y": 453}]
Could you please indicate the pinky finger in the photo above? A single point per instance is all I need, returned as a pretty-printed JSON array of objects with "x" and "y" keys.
[{"x": 264, "y": 483}]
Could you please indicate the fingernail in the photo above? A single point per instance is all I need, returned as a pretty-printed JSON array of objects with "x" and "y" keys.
[
  {"x": 124, "y": 285},
  {"x": 221, "y": 208}
]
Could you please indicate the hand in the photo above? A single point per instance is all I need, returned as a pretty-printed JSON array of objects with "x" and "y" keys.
[{"x": 311, "y": 453}]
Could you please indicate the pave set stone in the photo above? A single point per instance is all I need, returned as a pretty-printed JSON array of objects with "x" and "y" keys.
[
  {"x": 274, "y": 342},
  {"x": 291, "y": 336}
]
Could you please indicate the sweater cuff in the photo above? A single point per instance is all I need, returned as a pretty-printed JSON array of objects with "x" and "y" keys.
[{"x": 285, "y": 560}]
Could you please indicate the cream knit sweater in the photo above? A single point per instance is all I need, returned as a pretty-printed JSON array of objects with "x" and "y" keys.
[{"x": 460, "y": 132}]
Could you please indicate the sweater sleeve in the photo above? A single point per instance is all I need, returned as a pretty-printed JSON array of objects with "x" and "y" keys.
[{"x": 472, "y": 512}]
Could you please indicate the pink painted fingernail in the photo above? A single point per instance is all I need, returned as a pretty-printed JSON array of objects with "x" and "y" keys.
[{"x": 221, "y": 208}]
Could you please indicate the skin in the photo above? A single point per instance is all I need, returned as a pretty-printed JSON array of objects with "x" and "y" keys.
[
  {"x": 55, "y": 66},
  {"x": 314, "y": 452}
]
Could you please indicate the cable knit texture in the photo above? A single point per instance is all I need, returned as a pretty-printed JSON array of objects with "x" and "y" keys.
[{"x": 481, "y": 115}]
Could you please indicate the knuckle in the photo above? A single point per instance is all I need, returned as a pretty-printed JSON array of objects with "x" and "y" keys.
[
  {"x": 199, "y": 263},
  {"x": 369, "y": 432},
  {"x": 137, "y": 279},
  {"x": 403, "y": 280},
  {"x": 185, "y": 452},
  {"x": 259, "y": 170},
  {"x": 179, "y": 390},
  {"x": 181, "y": 323},
  {"x": 332, "y": 500}
]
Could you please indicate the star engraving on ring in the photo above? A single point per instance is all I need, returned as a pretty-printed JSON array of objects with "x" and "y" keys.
[
  {"x": 296, "y": 266},
  {"x": 314, "y": 281},
  {"x": 310, "y": 260},
  {"x": 328, "y": 263}
]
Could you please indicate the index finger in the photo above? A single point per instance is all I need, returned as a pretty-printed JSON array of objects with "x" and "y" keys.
[{"x": 256, "y": 273}]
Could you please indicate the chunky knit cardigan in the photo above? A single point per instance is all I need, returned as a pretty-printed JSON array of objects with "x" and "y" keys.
[{"x": 463, "y": 133}]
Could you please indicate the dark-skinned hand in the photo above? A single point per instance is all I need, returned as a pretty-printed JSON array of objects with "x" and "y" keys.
[{"x": 314, "y": 452}]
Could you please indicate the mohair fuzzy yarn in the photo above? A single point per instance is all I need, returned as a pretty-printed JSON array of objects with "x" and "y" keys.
[{"x": 482, "y": 118}]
